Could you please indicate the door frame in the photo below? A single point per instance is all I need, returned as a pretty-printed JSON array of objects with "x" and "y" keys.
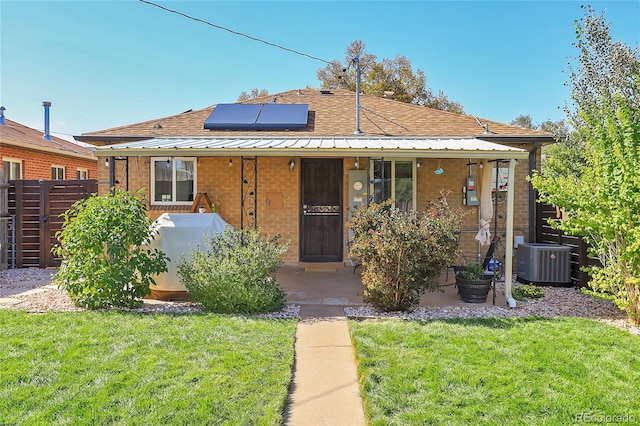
[{"x": 340, "y": 236}]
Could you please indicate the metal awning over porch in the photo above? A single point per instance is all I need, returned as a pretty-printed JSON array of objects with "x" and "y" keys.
[{"x": 321, "y": 146}]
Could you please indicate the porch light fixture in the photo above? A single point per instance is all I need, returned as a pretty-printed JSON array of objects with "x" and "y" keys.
[
  {"x": 418, "y": 163},
  {"x": 292, "y": 164},
  {"x": 357, "y": 163},
  {"x": 106, "y": 162},
  {"x": 230, "y": 162}
]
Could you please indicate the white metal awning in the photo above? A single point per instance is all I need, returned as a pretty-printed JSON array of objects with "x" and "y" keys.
[{"x": 312, "y": 147}]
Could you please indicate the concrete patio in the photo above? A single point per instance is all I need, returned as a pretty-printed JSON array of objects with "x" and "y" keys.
[{"x": 325, "y": 289}]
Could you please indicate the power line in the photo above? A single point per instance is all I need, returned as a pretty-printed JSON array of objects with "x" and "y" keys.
[
  {"x": 234, "y": 32},
  {"x": 383, "y": 117}
]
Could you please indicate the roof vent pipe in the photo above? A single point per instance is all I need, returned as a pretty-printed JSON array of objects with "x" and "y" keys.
[
  {"x": 46, "y": 105},
  {"x": 356, "y": 60},
  {"x": 2, "y": 109}
]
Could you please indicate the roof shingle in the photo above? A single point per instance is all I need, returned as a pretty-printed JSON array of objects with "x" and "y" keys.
[
  {"x": 14, "y": 133},
  {"x": 331, "y": 114}
]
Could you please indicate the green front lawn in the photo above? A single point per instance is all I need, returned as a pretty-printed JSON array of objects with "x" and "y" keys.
[
  {"x": 94, "y": 368},
  {"x": 497, "y": 371}
]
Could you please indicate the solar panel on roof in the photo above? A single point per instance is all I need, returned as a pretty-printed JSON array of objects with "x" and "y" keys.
[
  {"x": 283, "y": 116},
  {"x": 232, "y": 116},
  {"x": 258, "y": 117}
]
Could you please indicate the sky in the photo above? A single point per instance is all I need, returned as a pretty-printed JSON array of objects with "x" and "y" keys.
[{"x": 104, "y": 64}]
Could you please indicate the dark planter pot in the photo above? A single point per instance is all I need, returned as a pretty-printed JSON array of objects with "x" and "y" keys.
[{"x": 473, "y": 291}]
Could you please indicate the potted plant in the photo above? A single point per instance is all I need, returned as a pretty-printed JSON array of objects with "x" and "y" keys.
[{"x": 473, "y": 285}]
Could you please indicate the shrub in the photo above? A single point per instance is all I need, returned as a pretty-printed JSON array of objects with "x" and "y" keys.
[
  {"x": 403, "y": 254},
  {"x": 472, "y": 271},
  {"x": 106, "y": 260},
  {"x": 234, "y": 272},
  {"x": 524, "y": 292}
]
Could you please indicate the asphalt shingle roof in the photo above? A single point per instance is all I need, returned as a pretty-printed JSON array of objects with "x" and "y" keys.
[
  {"x": 14, "y": 133},
  {"x": 330, "y": 115}
]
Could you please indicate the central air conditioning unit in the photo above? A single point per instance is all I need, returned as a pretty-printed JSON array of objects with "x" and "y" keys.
[{"x": 544, "y": 264}]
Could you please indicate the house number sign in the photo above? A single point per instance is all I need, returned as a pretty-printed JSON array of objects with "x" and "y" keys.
[{"x": 320, "y": 210}]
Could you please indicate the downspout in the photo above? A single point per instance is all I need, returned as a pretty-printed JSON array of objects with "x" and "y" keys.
[
  {"x": 508, "y": 255},
  {"x": 532, "y": 194}
]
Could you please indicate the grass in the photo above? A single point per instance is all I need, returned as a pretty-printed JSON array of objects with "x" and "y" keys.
[
  {"x": 123, "y": 368},
  {"x": 496, "y": 371}
]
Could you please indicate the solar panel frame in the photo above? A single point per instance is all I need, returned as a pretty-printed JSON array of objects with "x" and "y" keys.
[
  {"x": 269, "y": 116},
  {"x": 283, "y": 116},
  {"x": 232, "y": 116}
]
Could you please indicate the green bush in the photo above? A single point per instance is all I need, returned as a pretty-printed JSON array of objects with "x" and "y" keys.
[
  {"x": 234, "y": 272},
  {"x": 472, "y": 271},
  {"x": 529, "y": 291},
  {"x": 403, "y": 254},
  {"x": 106, "y": 260}
]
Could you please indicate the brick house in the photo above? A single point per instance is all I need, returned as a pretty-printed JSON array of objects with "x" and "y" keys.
[
  {"x": 295, "y": 164},
  {"x": 28, "y": 154}
]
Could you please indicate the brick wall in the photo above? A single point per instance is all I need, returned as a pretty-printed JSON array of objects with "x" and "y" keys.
[
  {"x": 279, "y": 185},
  {"x": 452, "y": 181},
  {"x": 37, "y": 164}
]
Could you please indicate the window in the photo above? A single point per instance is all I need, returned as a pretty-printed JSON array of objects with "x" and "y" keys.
[
  {"x": 57, "y": 172},
  {"x": 173, "y": 180},
  {"x": 12, "y": 168},
  {"x": 394, "y": 179},
  {"x": 83, "y": 174}
]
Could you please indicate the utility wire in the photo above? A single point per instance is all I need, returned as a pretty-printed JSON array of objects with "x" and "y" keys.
[
  {"x": 384, "y": 118},
  {"x": 234, "y": 32}
]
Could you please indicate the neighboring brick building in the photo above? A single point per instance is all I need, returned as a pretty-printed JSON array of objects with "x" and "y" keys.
[
  {"x": 26, "y": 154},
  {"x": 296, "y": 163}
]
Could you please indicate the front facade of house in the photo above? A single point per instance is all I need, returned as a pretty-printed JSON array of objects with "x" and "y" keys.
[{"x": 297, "y": 163}]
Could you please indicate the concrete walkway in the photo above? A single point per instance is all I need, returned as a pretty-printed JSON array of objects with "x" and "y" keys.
[{"x": 325, "y": 385}]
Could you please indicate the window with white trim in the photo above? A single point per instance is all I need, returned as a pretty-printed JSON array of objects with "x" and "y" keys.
[
  {"x": 173, "y": 180},
  {"x": 82, "y": 174},
  {"x": 394, "y": 179},
  {"x": 12, "y": 168},
  {"x": 57, "y": 172}
]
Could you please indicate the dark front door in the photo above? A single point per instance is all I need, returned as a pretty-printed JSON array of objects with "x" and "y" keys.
[{"x": 321, "y": 209}]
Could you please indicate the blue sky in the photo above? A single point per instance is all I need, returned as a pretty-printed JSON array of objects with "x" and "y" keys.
[{"x": 108, "y": 63}]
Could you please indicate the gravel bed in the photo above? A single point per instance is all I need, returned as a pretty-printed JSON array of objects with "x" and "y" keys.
[
  {"x": 556, "y": 302},
  {"x": 30, "y": 289}
]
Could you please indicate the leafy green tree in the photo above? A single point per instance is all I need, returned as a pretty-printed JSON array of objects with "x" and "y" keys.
[
  {"x": 389, "y": 75},
  {"x": 604, "y": 68},
  {"x": 566, "y": 156},
  {"x": 106, "y": 260},
  {"x": 524, "y": 121},
  {"x": 602, "y": 198},
  {"x": 254, "y": 94}
]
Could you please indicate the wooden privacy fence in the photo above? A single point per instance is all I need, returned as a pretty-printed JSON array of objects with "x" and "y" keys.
[
  {"x": 546, "y": 234},
  {"x": 37, "y": 206}
]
